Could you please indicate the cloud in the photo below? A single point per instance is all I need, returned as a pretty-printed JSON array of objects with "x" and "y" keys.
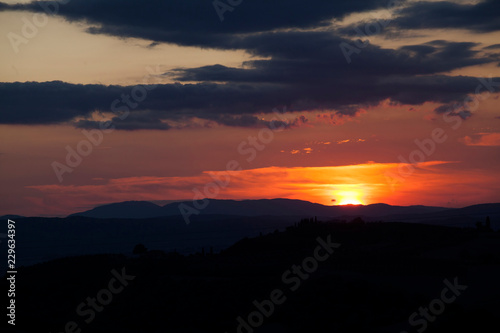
[
  {"x": 254, "y": 121},
  {"x": 455, "y": 109},
  {"x": 464, "y": 114},
  {"x": 314, "y": 183},
  {"x": 196, "y": 22},
  {"x": 308, "y": 150},
  {"x": 292, "y": 60},
  {"x": 492, "y": 47},
  {"x": 231, "y": 104},
  {"x": 305, "y": 70},
  {"x": 483, "y": 139},
  {"x": 130, "y": 123},
  {"x": 57, "y": 102},
  {"x": 481, "y": 17},
  {"x": 317, "y": 184}
]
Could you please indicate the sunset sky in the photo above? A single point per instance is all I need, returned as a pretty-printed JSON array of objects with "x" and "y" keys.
[{"x": 335, "y": 102}]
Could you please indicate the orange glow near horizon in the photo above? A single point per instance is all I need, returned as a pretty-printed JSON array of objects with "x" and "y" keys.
[
  {"x": 331, "y": 185},
  {"x": 351, "y": 197}
]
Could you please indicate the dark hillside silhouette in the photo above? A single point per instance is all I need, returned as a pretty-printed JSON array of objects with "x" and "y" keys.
[{"x": 379, "y": 276}]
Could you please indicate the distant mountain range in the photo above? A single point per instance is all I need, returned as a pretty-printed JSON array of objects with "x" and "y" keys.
[
  {"x": 267, "y": 207},
  {"x": 11, "y": 217},
  {"x": 460, "y": 217},
  {"x": 466, "y": 216},
  {"x": 118, "y": 227}
]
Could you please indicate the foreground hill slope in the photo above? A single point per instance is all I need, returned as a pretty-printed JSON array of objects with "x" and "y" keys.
[{"x": 373, "y": 282}]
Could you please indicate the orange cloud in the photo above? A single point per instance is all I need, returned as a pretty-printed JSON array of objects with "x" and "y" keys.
[
  {"x": 362, "y": 183},
  {"x": 483, "y": 139}
]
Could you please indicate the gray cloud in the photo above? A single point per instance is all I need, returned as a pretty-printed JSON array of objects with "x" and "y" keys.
[
  {"x": 58, "y": 102},
  {"x": 481, "y": 17},
  {"x": 303, "y": 70},
  {"x": 195, "y": 22},
  {"x": 492, "y": 47},
  {"x": 130, "y": 123}
]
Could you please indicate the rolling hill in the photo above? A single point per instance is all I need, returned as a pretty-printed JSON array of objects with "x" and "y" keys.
[{"x": 268, "y": 207}]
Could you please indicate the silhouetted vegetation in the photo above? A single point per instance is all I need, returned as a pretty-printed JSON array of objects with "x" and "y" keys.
[
  {"x": 139, "y": 249},
  {"x": 379, "y": 276},
  {"x": 486, "y": 227}
]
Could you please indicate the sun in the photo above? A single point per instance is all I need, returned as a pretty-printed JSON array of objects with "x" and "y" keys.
[{"x": 349, "y": 197}]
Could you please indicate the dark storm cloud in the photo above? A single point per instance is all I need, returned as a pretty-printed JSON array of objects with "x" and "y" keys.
[
  {"x": 313, "y": 65},
  {"x": 150, "y": 122},
  {"x": 492, "y": 47},
  {"x": 58, "y": 102},
  {"x": 304, "y": 70},
  {"x": 454, "y": 110},
  {"x": 51, "y": 102},
  {"x": 482, "y": 17},
  {"x": 312, "y": 57},
  {"x": 195, "y": 22},
  {"x": 129, "y": 123}
]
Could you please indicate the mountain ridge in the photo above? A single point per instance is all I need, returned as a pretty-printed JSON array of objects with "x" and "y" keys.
[{"x": 273, "y": 207}]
